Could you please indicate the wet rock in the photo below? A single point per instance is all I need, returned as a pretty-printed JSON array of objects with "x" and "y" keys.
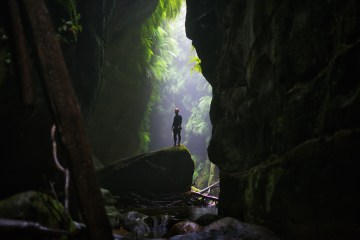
[
  {"x": 207, "y": 219},
  {"x": 113, "y": 215},
  {"x": 229, "y": 228},
  {"x": 107, "y": 197},
  {"x": 158, "y": 224},
  {"x": 165, "y": 171},
  {"x": 111, "y": 211},
  {"x": 134, "y": 223},
  {"x": 184, "y": 227},
  {"x": 143, "y": 226}
]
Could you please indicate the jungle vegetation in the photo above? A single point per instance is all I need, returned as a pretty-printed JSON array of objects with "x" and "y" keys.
[{"x": 175, "y": 72}]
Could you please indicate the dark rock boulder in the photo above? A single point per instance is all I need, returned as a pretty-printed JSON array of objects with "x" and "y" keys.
[
  {"x": 164, "y": 171},
  {"x": 229, "y": 228},
  {"x": 184, "y": 227},
  {"x": 207, "y": 219}
]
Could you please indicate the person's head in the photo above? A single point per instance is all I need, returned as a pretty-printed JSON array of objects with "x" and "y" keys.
[{"x": 176, "y": 110}]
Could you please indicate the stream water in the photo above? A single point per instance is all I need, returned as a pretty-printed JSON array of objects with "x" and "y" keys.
[
  {"x": 179, "y": 213},
  {"x": 159, "y": 220}
]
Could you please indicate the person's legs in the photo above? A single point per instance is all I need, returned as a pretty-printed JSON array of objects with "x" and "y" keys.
[
  {"x": 179, "y": 135},
  {"x": 174, "y": 135}
]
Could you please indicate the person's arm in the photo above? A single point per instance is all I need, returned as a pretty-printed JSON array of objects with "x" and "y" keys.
[{"x": 172, "y": 127}]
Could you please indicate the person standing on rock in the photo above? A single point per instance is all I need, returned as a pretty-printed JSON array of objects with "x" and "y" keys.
[{"x": 176, "y": 127}]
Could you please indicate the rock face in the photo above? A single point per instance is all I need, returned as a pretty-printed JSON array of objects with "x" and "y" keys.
[
  {"x": 120, "y": 103},
  {"x": 111, "y": 211},
  {"x": 166, "y": 171},
  {"x": 117, "y": 103},
  {"x": 286, "y": 98}
]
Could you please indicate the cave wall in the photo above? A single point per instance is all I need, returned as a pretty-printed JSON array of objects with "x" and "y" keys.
[
  {"x": 86, "y": 59},
  {"x": 286, "y": 98},
  {"x": 112, "y": 92},
  {"x": 112, "y": 98},
  {"x": 122, "y": 100}
]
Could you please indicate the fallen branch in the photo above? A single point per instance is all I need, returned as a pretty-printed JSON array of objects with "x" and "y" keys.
[
  {"x": 24, "y": 228},
  {"x": 214, "y": 185},
  {"x": 205, "y": 196},
  {"x": 13, "y": 226}
]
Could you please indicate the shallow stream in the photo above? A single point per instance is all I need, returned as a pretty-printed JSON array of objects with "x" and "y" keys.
[
  {"x": 179, "y": 213},
  {"x": 147, "y": 223}
]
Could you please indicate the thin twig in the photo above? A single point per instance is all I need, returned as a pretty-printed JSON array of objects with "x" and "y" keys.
[{"x": 62, "y": 169}]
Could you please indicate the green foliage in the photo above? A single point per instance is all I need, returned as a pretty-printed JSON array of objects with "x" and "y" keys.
[
  {"x": 144, "y": 140},
  {"x": 179, "y": 86},
  {"x": 159, "y": 50},
  {"x": 70, "y": 26},
  {"x": 167, "y": 59},
  {"x": 197, "y": 123},
  {"x": 197, "y": 66}
]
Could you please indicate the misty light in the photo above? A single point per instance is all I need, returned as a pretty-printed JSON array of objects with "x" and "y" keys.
[{"x": 183, "y": 87}]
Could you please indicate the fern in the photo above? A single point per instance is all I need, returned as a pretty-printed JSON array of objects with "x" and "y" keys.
[
  {"x": 159, "y": 50},
  {"x": 197, "y": 66},
  {"x": 72, "y": 25}
]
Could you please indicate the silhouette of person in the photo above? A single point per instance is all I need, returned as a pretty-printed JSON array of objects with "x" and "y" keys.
[{"x": 176, "y": 127}]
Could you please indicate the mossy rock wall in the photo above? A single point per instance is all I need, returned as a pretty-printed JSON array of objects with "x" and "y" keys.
[
  {"x": 121, "y": 101},
  {"x": 283, "y": 74}
]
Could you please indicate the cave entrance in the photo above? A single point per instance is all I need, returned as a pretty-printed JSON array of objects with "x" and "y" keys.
[{"x": 183, "y": 86}]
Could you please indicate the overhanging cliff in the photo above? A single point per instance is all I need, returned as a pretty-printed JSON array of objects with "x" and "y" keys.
[{"x": 285, "y": 77}]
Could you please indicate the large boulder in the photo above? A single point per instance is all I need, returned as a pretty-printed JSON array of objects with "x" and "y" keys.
[
  {"x": 229, "y": 228},
  {"x": 165, "y": 171}
]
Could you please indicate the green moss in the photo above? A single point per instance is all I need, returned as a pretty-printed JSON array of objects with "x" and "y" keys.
[
  {"x": 180, "y": 148},
  {"x": 272, "y": 180},
  {"x": 37, "y": 207},
  {"x": 72, "y": 24}
]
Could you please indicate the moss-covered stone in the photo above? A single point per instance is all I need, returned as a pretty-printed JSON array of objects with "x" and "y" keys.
[
  {"x": 36, "y": 207},
  {"x": 165, "y": 171}
]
